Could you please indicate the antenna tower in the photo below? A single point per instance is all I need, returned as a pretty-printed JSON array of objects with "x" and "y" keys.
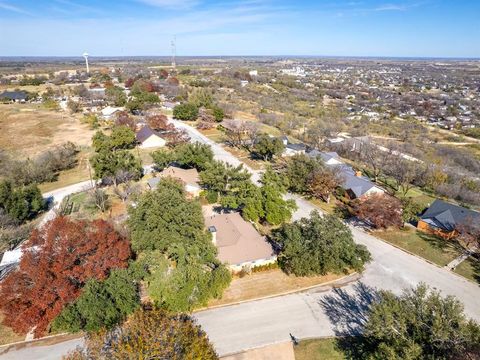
[{"x": 174, "y": 52}]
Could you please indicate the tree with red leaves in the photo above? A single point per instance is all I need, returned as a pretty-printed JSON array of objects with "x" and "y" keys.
[
  {"x": 380, "y": 210},
  {"x": 57, "y": 261},
  {"x": 123, "y": 119},
  {"x": 129, "y": 83},
  {"x": 159, "y": 122}
]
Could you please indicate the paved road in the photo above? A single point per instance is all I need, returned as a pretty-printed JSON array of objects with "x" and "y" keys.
[
  {"x": 320, "y": 312},
  {"x": 263, "y": 322},
  {"x": 49, "y": 352}
]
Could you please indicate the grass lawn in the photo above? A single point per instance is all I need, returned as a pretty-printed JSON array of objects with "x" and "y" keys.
[
  {"x": 420, "y": 197},
  {"x": 267, "y": 283},
  {"x": 470, "y": 269},
  {"x": 327, "y": 207},
  {"x": 432, "y": 248},
  {"x": 244, "y": 157},
  {"x": 318, "y": 349},
  {"x": 7, "y": 335}
]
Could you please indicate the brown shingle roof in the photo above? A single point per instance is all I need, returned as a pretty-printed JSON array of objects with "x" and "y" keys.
[{"x": 237, "y": 240}]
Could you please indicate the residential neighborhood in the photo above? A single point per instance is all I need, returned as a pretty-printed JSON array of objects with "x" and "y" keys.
[{"x": 163, "y": 195}]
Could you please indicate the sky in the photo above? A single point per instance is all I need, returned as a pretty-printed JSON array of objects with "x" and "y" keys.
[{"x": 395, "y": 28}]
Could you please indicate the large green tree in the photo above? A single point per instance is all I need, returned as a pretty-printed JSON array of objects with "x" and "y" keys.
[
  {"x": 267, "y": 147},
  {"x": 186, "y": 111},
  {"x": 224, "y": 179},
  {"x": 103, "y": 304},
  {"x": 318, "y": 245},
  {"x": 20, "y": 203},
  {"x": 298, "y": 170},
  {"x": 168, "y": 233},
  {"x": 419, "y": 324},
  {"x": 196, "y": 155},
  {"x": 113, "y": 165}
]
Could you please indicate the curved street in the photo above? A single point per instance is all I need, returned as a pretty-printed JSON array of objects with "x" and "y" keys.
[{"x": 323, "y": 311}]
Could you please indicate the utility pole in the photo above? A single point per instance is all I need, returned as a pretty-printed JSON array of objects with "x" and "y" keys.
[{"x": 174, "y": 52}]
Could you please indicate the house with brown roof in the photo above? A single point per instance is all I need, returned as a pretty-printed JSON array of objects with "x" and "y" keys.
[
  {"x": 189, "y": 177},
  {"x": 238, "y": 243}
]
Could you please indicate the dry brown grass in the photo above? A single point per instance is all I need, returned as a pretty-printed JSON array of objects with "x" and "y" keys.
[
  {"x": 7, "y": 335},
  {"x": 268, "y": 283},
  {"x": 28, "y": 129}
]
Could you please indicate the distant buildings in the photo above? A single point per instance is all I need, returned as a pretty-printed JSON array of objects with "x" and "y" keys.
[{"x": 14, "y": 96}]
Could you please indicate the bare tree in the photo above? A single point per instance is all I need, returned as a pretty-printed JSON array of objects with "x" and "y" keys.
[
  {"x": 380, "y": 210},
  {"x": 99, "y": 198},
  {"x": 126, "y": 190}
]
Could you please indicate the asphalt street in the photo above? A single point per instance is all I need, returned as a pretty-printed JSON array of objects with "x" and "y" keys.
[{"x": 323, "y": 311}]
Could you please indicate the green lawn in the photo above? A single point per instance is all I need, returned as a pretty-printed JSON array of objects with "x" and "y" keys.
[
  {"x": 318, "y": 349},
  {"x": 435, "y": 249},
  {"x": 470, "y": 269}
]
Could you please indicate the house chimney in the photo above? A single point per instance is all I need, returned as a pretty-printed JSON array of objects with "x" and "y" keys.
[{"x": 213, "y": 231}]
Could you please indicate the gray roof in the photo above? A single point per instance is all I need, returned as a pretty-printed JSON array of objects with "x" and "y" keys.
[
  {"x": 359, "y": 185},
  {"x": 14, "y": 95},
  {"x": 297, "y": 147},
  {"x": 447, "y": 216},
  {"x": 324, "y": 155},
  {"x": 144, "y": 133}
]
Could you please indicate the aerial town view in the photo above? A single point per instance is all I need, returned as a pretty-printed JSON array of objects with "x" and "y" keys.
[{"x": 239, "y": 179}]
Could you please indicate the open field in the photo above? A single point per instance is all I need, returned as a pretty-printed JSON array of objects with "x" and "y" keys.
[
  {"x": 28, "y": 129},
  {"x": 432, "y": 248},
  {"x": 318, "y": 349},
  {"x": 267, "y": 283}
]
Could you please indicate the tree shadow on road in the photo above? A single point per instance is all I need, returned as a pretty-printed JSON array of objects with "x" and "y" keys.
[{"x": 348, "y": 312}]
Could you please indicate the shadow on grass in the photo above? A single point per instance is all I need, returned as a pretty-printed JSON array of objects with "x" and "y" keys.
[
  {"x": 348, "y": 312},
  {"x": 440, "y": 243},
  {"x": 475, "y": 261}
]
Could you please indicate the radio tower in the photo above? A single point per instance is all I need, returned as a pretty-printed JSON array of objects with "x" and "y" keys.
[{"x": 174, "y": 52}]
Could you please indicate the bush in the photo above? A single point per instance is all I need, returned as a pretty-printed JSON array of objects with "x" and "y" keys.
[{"x": 186, "y": 111}]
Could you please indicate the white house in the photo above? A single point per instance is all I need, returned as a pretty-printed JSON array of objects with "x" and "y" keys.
[
  {"x": 149, "y": 138},
  {"x": 109, "y": 112},
  {"x": 293, "y": 149}
]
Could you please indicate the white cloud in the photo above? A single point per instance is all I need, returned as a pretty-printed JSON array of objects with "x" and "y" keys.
[
  {"x": 390, "y": 7},
  {"x": 16, "y": 9},
  {"x": 172, "y": 4}
]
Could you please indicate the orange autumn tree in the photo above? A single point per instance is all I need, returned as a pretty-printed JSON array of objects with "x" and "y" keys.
[{"x": 57, "y": 262}]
